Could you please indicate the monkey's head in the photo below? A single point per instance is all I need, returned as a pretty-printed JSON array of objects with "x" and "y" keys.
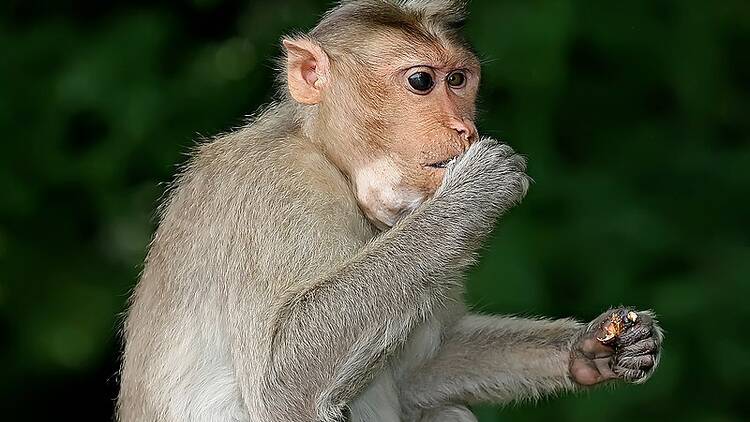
[{"x": 387, "y": 89}]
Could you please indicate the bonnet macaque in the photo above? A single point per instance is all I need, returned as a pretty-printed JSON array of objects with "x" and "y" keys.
[{"x": 309, "y": 266}]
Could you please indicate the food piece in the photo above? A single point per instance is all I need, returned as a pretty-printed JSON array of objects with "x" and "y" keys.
[
  {"x": 617, "y": 323},
  {"x": 632, "y": 316}
]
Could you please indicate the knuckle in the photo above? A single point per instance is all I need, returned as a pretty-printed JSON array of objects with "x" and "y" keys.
[
  {"x": 485, "y": 146},
  {"x": 518, "y": 162},
  {"x": 644, "y": 318},
  {"x": 487, "y": 140},
  {"x": 504, "y": 150},
  {"x": 501, "y": 152}
]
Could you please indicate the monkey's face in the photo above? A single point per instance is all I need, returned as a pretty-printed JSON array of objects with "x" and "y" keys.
[
  {"x": 392, "y": 111},
  {"x": 421, "y": 118}
]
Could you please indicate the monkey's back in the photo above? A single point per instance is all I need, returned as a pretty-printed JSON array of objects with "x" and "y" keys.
[{"x": 220, "y": 252}]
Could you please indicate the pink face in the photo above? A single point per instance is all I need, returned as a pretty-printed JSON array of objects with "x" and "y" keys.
[
  {"x": 424, "y": 118},
  {"x": 413, "y": 115}
]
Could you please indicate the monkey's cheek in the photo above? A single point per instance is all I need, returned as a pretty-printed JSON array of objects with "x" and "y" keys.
[
  {"x": 384, "y": 208},
  {"x": 385, "y": 195}
]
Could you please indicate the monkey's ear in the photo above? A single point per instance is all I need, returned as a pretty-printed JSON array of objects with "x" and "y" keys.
[{"x": 307, "y": 69}]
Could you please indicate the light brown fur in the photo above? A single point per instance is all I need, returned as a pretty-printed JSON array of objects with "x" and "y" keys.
[{"x": 269, "y": 295}]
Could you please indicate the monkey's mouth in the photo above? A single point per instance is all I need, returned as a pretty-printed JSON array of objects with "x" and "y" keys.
[{"x": 443, "y": 164}]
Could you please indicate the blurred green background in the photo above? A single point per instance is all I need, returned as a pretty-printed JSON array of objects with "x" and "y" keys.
[{"x": 634, "y": 116}]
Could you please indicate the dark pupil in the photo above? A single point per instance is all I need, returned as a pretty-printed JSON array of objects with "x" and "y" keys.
[
  {"x": 421, "y": 81},
  {"x": 456, "y": 79}
]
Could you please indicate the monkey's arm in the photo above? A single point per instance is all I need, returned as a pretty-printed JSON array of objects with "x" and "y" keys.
[
  {"x": 500, "y": 358},
  {"x": 497, "y": 359},
  {"x": 332, "y": 332}
]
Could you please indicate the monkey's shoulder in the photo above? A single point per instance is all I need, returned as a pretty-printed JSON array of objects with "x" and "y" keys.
[
  {"x": 276, "y": 166},
  {"x": 278, "y": 195}
]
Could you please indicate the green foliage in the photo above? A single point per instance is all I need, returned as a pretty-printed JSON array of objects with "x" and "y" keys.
[{"x": 634, "y": 116}]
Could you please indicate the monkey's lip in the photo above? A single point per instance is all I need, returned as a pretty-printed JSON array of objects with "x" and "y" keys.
[{"x": 443, "y": 164}]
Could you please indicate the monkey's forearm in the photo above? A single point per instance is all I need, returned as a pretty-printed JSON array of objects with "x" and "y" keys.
[
  {"x": 331, "y": 333},
  {"x": 496, "y": 359}
]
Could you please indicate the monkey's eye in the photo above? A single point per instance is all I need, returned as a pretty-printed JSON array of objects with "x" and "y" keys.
[
  {"x": 421, "y": 82},
  {"x": 456, "y": 79}
]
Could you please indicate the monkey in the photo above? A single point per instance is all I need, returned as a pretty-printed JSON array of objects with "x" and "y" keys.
[{"x": 310, "y": 265}]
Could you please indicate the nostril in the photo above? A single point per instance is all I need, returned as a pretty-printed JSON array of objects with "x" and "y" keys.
[
  {"x": 464, "y": 129},
  {"x": 470, "y": 133}
]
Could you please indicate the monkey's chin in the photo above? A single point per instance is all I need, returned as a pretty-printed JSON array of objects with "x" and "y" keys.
[{"x": 384, "y": 194}]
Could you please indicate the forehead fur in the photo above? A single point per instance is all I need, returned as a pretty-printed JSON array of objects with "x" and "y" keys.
[{"x": 426, "y": 19}]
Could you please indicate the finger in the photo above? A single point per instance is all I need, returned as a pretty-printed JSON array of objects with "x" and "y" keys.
[
  {"x": 643, "y": 362},
  {"x": 630, "y": 375},
  {"x": 635, "y": 334},
  {"x": 505, "y": 149},
  {"x": 645, "y": 318},
  {"x": 644, "y": 347}
]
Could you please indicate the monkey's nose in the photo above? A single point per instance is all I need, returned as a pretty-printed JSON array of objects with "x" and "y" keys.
[{"x": 465, "y": 128}]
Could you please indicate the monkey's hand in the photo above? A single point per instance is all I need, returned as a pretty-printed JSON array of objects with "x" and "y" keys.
[
  {"x": 629, "y": 350},
  {"x": 487, "y": 179}
]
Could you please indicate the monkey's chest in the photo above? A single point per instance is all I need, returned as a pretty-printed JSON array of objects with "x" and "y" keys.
[
  {"x": 425, "y": 340},
  {"x": 421, "y": 345},
  {"x": 382, "y": 400}
]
